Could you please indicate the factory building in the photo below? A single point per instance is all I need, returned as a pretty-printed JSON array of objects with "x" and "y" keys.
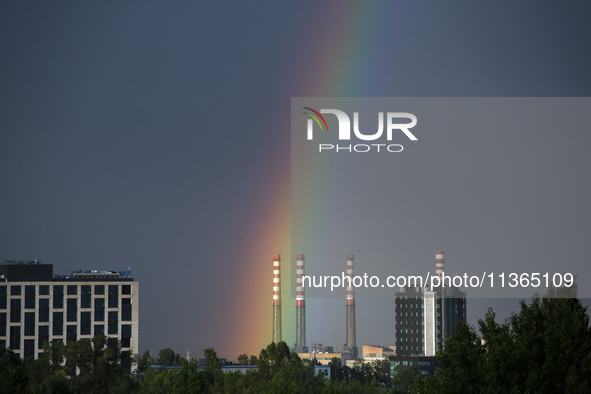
[
  {"x": 425, "y": 315},
  {"x": 36, "y": 306},
  {"x": 377, "y": 353}
]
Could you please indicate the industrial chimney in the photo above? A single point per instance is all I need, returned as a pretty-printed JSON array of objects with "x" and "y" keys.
[
  {"x": 439, "y": 264},
  {"x": 300, "y": 305},
  {"x": 350, "y": 342},
  {"x": 277, "y": 298}
]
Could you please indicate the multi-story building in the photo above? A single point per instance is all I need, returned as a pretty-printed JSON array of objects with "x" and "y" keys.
[
  {"x": 36, "y": 306},
  {"x": 377, "y": 353},
  {"x": 425, "y": 315}
]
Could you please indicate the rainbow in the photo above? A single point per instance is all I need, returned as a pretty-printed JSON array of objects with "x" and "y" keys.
[{"x": 347, "y": 51}]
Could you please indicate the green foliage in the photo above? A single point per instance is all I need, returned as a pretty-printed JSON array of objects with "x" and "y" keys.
[
  {"x": 254, "y": 360},
  {"x": 167, "y": 356},
  {"x": 243, "y": 359},
  {"x": 101, "y": 369},
  {"x": 545, "y": 348},
  {"x": 404, "y": 380},
  {"x": 145, "y": 361}
]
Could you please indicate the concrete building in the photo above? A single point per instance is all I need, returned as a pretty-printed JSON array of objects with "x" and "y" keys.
[
  {"x": 425, "y": 365},
  {"x": 425, "y": 315},
  {"x": 376, "y": 353},
  {"x": 36, "y": 306}
]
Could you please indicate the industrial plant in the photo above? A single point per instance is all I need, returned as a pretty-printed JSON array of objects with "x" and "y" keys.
[{"x": 423, "y": 316}]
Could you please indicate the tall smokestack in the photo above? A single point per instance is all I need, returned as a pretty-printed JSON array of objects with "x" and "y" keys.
[
  {"x": 439, "y": 264},
  {"x": 277, "y": 298},
  {"x": 300, "y": 303},
  {"x": 351, "y": 338}
]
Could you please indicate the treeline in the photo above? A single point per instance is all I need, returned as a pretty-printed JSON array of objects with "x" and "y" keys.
[
  {"x": 102, "y": 367},
  {"x": 545, "y": 348}
]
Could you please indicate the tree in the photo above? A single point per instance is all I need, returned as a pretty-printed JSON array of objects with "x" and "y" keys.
[
  {"x": 404, "y": 380},
  {"x": 253, "y": 360},
  {"x": 212, "y": 367},
  {"x": 545, "y": 348},
  {"x": 145, "y": 361},
  {"x": 243, "y": 359},
  {"x": 103, "y": 365},
  {"x": 166, "y": 356}
]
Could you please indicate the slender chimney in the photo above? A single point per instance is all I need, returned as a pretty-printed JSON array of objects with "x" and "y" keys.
[
  {"x": 439, "y": 264},
  {"x": 300, "y": 303},
  {"x": 277, "y": 298},
  {"x": 350, "y": 340}
]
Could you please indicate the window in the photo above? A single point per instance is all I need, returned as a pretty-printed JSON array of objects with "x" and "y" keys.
[
  {"x": 3, "y": 324},
  {"x": 29, "y": 348},
  {"x": 113, "y": 296},
  {"x": 126, "y": 289},
  {"x": 126, "y": 335},
  {"x": 15, "y": 337},
  {"x": 44, "y": 290},
  {"x": 72, "y": 289},
  {"x": 86, "y": 295},
  {"x": 3, "y": 297},
  {"x": 72, "y": 309},
  {"x": 58, "y": 296},
  {"x": 126, "y": 309},
  {"x": 29, "y": 323},
  {"x": 71, "y": 333},
  {"x": 85, "y": 323},
  {"x": 44, "y": 310},
  {"x": 99, "y": 309},
  {"x": 15, "y": 290},
  {"x": 15, "y": 310},
  {"x": 58, "y": 323},
  {"x": 99, "y": 329},
  {"x": 112, "y": 343},
  {"x": 43, "y": 336},
  {"x": 113, "y": 322},
  {"x": 99, "y": 289},
  {"x": 29, "y": 297}
]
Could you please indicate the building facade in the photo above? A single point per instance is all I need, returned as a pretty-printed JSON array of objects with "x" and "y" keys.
[
  {"x": 425, "y": 315},
  {"x": 377, "y": 353},
  {"x": 36, "y": 307}
]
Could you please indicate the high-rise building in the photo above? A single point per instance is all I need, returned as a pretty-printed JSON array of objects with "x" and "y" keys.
[
  {"x": 425, "y": 315},
  {"x": 36, "y": 306}
]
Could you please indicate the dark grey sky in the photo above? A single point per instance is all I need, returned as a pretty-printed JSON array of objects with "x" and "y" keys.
[{"x": 144, "y": 133}]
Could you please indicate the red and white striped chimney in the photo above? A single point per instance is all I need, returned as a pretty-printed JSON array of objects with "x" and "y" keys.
[
  {"x": 350, "y": 289},
  {"x": 350, "y": 339},
  {"x": 300, "y": 303},
  {"x": 439, "y": 264},
  {"x": 277, "y": 298}
]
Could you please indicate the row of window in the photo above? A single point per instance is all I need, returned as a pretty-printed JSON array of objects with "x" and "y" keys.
[
  {"x": 71, "y": 335},
  {"x": 58, "y": 294},
  {"x": 404, "y": 323},
  {"x": 410, "y": 306},
  {"x": 72, "y": 310}
]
